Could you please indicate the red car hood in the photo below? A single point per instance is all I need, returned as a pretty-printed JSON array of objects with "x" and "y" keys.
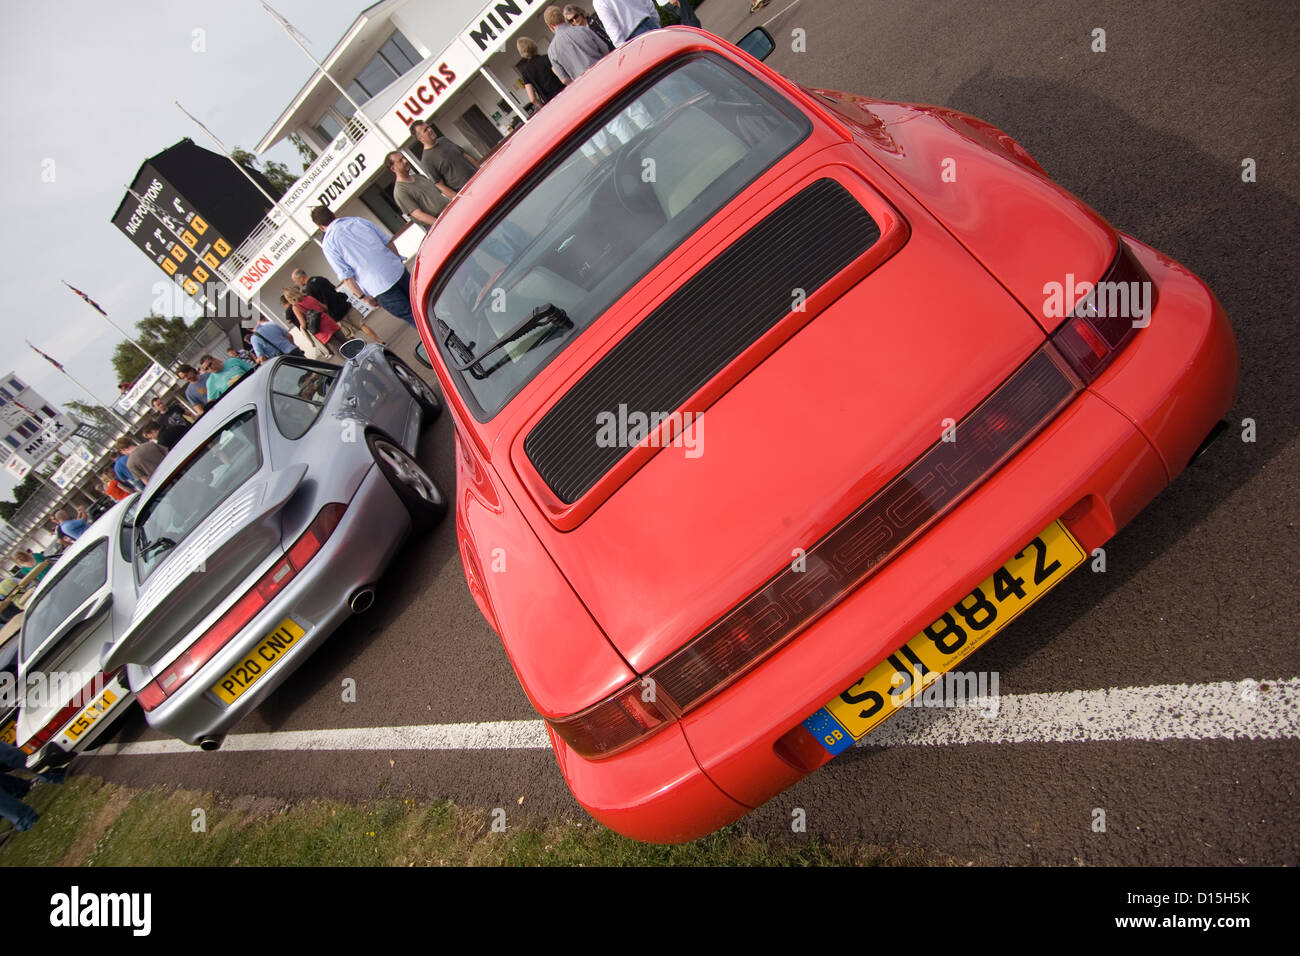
[{"x": 799, "y": 442}]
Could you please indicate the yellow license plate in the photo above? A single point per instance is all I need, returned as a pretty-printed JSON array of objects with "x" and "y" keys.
[
  {"x": 963, "y": 628},
  {"x": 258, "y": 661},
  {"x": 91, "y": 714},
  {"x": 9, "y": 732}
]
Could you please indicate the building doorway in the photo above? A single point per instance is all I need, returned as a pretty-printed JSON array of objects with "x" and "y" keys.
[{"x": 479, "y": 130}]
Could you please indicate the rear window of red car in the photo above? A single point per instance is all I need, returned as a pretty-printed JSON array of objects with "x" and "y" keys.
[{"x": 626, "y": 193}]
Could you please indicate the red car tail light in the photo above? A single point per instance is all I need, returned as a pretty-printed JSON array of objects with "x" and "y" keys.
[
  {"x": 838, "y": 563},
  {"x": 314, "y": 538},
  {"x": 67, "y": 712},
  {"x": 245, "y": 609},
  {"x": 1105, "y": 321},
  {"x": 615, "y": 723}
]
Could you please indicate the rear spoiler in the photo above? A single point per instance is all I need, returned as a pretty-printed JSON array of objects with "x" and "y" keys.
[{"x": 154, "y": 622}]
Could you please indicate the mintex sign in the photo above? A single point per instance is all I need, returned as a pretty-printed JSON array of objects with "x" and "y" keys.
[{"x": 496, "y": 23}]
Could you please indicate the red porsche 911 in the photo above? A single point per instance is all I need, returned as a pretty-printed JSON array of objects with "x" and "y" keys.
[{"x": 773, "y": 404}]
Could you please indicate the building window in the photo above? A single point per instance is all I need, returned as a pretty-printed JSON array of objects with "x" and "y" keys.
[
  {"x": 376, "y": 75},
  {"x": 11, "y": 441},
  {"x": 47, "y": 411},
  {"x": 328, "y": 128},
  {"x": 4, "y": 393},
  {"x": 394, "y": 59},
  {"x": 399, "y": 53}
]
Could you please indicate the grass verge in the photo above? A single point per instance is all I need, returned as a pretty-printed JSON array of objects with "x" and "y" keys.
[{"x": 88, "y": 822}]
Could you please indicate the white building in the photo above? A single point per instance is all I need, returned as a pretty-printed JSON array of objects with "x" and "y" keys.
[
  {"x": 30, "y": 428},
  {"x": 450, "y": 63}
]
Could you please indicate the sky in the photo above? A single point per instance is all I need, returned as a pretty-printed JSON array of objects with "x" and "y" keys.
[{"x": 89, "y": 97}]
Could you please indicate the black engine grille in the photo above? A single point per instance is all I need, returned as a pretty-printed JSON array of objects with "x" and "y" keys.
[{"x": 702, "y": 327}]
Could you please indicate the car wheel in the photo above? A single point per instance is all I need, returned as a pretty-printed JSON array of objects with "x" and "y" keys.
[
  {"x": 420, "y": 390},
  {"x": 423, "y": 499}
]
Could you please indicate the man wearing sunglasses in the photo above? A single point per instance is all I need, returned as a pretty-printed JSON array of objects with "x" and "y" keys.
[
  {"x": 573, "y": 50},
  {"x": 575, "y": 16}
]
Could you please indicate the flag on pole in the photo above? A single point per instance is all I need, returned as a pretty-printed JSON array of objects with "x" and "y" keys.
[
  {"x": 211, "y": 135},
  {"x": 89, "y": 301},
  {"x": 292, "y": 30},
  {"x": 46, "y": 357}
]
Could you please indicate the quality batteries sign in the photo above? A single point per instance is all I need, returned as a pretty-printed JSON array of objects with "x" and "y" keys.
[
  {"x": 331, "y": 184},
  {"x": 171, "y": 232}
]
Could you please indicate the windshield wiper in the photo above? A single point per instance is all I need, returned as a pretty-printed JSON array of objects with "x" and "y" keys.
[
  {"x": 453, "y": 342},
  {"x": 543, "y": 315},
  {"x": 159, "y": 546}
]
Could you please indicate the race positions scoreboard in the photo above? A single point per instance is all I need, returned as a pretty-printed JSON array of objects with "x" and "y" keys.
[
  {"x": 188, "y": 209},
  {"x": 170, "y": 231}
]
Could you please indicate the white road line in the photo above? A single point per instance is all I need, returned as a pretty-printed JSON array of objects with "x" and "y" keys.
[
  {"x": 777, "y": 16},
  {"x": 1227, "y": 710},
  {"x": 491, "y": 735}
]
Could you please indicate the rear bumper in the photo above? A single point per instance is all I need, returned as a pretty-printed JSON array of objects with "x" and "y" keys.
[
  {"x": 316, "y": 599},
  {"x": 63, "y": 746},
  {"x": 1096, "y": 465}
]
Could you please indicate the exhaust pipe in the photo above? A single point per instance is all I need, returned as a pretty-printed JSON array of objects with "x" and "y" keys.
[
  {"x": 1215, "y": 432},
  {"x": 362, "y": 600},
  {"x": 212, "y": 742}
]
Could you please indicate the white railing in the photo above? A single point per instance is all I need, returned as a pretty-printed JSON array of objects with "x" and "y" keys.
[{"x": 353, "y": 131}]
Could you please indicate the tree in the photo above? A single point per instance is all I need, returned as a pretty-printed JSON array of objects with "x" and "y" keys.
[
  {"x": 94, "y": 414},
  {"x": 162, "y": 336},
  {"x": 276, "y": 174},
  {"x": 22, "y": 491},
  {"x": 305, "y": 152}
]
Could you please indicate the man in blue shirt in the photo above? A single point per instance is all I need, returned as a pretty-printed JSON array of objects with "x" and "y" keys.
[
  {"x": 74, "y": 528},
  {"x": 196, "y": 391},
  {"x": 124, "y": 476},
  {"x": 364, "y": 258},
  {"x": 269, "y": 340},
  {"x": 627, "y": 19}
]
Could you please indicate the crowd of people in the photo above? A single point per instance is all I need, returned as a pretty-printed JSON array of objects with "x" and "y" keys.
[{"x": 317, "y": 314}]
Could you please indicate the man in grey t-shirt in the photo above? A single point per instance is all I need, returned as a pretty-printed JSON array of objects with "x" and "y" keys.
[
  {"x": 417, "y": 197},
  {"x": 445, "y": 162}
]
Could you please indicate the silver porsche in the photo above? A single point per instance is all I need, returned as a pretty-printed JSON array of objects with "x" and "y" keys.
[
  {"x": 268, "y": 524},
  {"x": 67, "y": 700}
]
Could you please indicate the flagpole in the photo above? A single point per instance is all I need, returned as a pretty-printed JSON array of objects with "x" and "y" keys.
[
  {"x": 247, "y": 175},
  {"x": 141, "y": 348},
  {"x": 68, "y": 375},
  {"x": 294, "y": 35}
]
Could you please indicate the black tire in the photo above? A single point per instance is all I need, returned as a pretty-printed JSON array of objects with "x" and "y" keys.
[
  {"x": 419, "y": 389},
  {"x": 422, "y": 497}
]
